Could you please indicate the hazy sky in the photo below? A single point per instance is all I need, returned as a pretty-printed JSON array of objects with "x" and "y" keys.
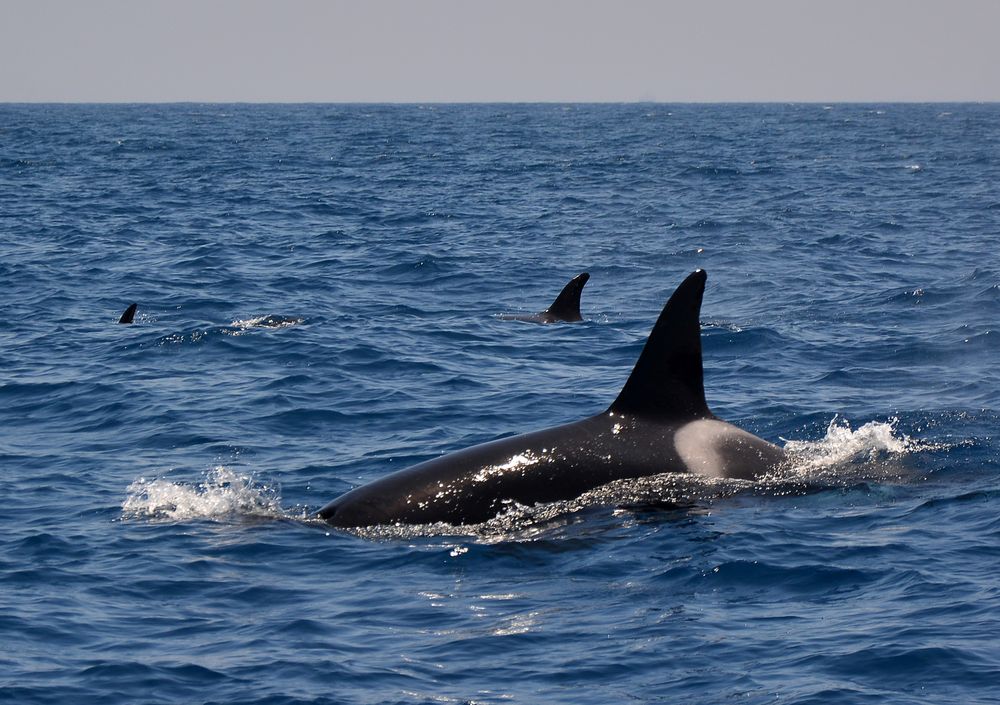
[{"x": 491, "y": 50}]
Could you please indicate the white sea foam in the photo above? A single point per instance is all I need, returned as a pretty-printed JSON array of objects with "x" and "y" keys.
[
  {"x": 843, "y": 446},
  {"x": 223, "y": 494},
  {"x": 269, "y": 321}
]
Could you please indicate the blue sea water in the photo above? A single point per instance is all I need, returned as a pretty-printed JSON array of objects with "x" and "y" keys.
[{"x": 156, "y": 539}]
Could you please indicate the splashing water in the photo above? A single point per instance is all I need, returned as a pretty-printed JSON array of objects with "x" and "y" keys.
[
  {"x": 270, "y": 321},
  {"x": 842, "y": 447},
  {"x": 223, "y": 494}
]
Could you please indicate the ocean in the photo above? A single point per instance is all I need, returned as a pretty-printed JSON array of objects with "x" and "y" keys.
[{"x": 319, "y": 290}]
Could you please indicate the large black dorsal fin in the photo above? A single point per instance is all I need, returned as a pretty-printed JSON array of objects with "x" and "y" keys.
[
  {"x": 667, "y": 379},
  {"x": 129, "y": 314},
  {"x": 566, "y": 307}
]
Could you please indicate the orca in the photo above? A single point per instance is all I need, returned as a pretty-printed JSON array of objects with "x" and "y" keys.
[
  {"x": 659, "y": 423},
  {"x": 566, "y": 307},
  {"x": 129, "y": 315}
]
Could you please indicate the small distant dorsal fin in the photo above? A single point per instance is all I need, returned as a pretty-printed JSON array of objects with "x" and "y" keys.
[
  {"x": 667, "y": 380},
  {"x": 566, "y": 307},
  {"x": 129, "y": 314}
]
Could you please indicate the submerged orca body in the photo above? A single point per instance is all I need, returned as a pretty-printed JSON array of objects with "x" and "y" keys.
[
  {"x": 129, "y": 315},
  {"x": 273, "y": 321},
  {"x": 566, "y": 307},
  {"x": 659, "y": 423},
  {"x": 269, "y": 321}
]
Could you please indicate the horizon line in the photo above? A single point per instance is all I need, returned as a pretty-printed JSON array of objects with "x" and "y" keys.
[{"x": 510, "y": 102}]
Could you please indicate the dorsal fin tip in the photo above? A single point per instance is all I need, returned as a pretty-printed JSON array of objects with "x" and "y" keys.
[
  {"x": 566, "y": 307},
  {"x": 667, "y": 379},
  {"x": 129, "y": 315}
]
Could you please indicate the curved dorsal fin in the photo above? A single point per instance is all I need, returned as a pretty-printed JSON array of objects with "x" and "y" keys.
[
  {"x": 129, "y": 314},
  {"x": 566, "y": 307},
  {"x": 667, "y": 379}
]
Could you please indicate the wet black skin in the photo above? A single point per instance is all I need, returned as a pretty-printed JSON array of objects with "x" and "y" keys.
[{"x": 129, "y": 315}]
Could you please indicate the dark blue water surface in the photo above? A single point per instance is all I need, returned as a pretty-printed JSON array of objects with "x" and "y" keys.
[{"x": 156, "y": 544}]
